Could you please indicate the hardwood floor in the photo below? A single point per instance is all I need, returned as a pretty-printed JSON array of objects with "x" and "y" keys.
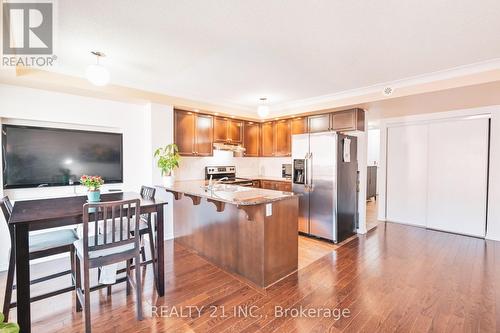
[{"x": 396, "y": 278}]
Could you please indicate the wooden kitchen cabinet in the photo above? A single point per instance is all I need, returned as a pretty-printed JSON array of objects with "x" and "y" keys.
[
  {"x": 284, "y": 186},
  {"x": 276, "y": 185},
  {"x": 235, "y": 131},
  {"x": 348, "y": 120},
  {"x": 319, "y": 123},
  {"x": 204, "y": 140},
  {"x": 184, "y": 132},
  {"x": 193, "y": 133},
  {"x": 282, "y": 138},
  {"x": 276, "y": 138},
  {"x": 267, "y": 184},
  {"x": 228, "y": 131},
  {"x": 220, "y": 129},
  {"x": 267, "y": 139},
  {"x": 251, "y": 139},
  {"x": 299, "y": 125}
]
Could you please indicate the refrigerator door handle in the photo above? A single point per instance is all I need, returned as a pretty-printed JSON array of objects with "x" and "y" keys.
[
  {"x": 306, "y": 171},
  {"x": 309, "y": 171}
]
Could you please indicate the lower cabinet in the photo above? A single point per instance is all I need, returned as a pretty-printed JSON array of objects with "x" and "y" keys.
[{"x": 276, "y": 185}]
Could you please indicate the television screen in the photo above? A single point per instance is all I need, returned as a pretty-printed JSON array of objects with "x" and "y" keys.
[{"x": 37, "y": 156}]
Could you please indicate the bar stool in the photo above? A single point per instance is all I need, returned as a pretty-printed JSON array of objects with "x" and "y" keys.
[{"x": 40, "y": 245}]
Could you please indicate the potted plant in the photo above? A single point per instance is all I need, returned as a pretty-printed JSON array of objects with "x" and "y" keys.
[
  {"x": 93, "y": 184},
  {"x": 168, "y": 160},
  {"x": 8, "y": 327}
]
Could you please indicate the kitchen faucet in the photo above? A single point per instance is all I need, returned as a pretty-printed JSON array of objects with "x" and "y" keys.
[{"x": 211, "y": 185}]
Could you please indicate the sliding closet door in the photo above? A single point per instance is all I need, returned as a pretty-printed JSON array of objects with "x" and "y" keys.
[
  {"x": 457, "y": 176},
  {"x": 407, "y": 174}
]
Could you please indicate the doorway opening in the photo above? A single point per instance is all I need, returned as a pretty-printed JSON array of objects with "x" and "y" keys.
[{"x": 373, "y": 159}]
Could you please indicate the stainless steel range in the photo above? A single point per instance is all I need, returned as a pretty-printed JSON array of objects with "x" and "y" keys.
[{"x": 226, "y": 175}]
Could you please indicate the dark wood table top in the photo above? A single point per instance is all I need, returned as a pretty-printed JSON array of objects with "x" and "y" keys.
[{"x": 41, "y": 210}]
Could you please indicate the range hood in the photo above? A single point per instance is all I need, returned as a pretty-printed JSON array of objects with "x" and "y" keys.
[{"x": 229, "y": 147}]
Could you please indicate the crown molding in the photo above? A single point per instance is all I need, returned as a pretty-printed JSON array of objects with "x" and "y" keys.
[
  {"x": 476, "y": 73},
  {"x": 467, "y": 75}
]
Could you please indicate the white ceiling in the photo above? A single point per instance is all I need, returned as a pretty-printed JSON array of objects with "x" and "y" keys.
[{"x": 233, "y": 52}]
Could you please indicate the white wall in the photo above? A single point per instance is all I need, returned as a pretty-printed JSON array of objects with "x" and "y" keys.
[
  {"x": 493, "y": 219},
  {"x": 143, "y": 127},
  {"x": 373, "y": 147},
  {"x": 194, "y": 167},
  {"x": 159, "y": 129}
]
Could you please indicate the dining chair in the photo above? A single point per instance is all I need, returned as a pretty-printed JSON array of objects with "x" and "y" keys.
[
  {"x": 146, "y": 226},
  {"x": 113, "y": 242},
  {"x": 40, "y": 245}
]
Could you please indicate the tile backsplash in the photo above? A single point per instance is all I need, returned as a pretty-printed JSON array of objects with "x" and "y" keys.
[{"x": 192, "y": 168}]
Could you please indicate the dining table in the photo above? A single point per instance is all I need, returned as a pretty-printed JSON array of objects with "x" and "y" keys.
[{"x": 42, "y": 214}]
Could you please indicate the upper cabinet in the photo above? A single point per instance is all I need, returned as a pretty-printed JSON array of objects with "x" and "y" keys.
[
  {"x": 276, "y": 138},
  {"x": 282, "y": 138},
  {"x": 235, "y": 131},
  {"x": 220, "y": 129},
  {"x": 251, "y": 139},
  {"x": 348, "y": 120},
  {"x": 267, "y": 142},
  {"x": 299, "y": 125},
  {"x": 319, "y": 123},
  {"x": 193, "y": 133},
  {"x": 228, "y": 130},
  {"x": 204, "y": 141},
  {"x": 184, "y": 132}
]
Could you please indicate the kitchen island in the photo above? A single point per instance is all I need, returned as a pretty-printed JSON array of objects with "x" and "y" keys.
[{"x": 247, "y": 231}]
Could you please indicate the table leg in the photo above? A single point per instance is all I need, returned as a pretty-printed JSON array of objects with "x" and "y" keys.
[
  {"x": 23, "y": 277},
  {"x": 160, "y": 254}
]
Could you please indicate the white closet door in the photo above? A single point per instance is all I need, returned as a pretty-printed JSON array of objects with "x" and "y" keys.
[
  {"x": 457, "y": 176},
  {"x": 406, "y": 196}
]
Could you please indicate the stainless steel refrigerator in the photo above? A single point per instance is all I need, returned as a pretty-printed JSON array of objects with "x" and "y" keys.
[{"x": 325, "y": 173}]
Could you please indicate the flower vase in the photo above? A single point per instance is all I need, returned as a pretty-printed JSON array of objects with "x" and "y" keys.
[
  {"x": 168, "y": 181},
  {"x": 94, "y": 196}
]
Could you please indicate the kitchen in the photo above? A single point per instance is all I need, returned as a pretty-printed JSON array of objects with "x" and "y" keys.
[{"x": 288, "y": 177}]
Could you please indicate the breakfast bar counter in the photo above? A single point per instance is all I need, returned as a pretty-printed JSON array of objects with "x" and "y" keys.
[{"x": 246, "y": 231}]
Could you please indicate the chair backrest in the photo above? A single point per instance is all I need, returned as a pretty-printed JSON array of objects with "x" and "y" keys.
[
  {"x": 6, "y": 208},
  {"x": 148, "y": 192},
  {"x": 7, "y": 212},
  {"x": 116, "y": 223}
]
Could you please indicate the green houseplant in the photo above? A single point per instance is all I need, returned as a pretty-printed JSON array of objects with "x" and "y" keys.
[
  {"x": 168, "y": 159},
  {"x": 8, "y": 327},
  {"x": 93, "y": 184}
]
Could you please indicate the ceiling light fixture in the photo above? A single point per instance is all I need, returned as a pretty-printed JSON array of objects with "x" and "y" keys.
[
  {"x": 263, "y": 109},
  {"x": 97, "y": 74}
]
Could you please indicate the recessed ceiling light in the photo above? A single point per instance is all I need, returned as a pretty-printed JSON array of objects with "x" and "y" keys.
[
  {"x": 216, "y": 113},
  {"x": 196, "y": 110},
  {"x": 97, "y": 74}
]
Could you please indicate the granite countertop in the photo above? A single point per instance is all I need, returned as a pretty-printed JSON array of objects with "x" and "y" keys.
[
  {"x": 276, "y": 179},
  {"x": 232, "y": 194}
]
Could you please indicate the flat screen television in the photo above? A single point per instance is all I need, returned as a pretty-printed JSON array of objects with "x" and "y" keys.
[{"x": 40, "y": 156}]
